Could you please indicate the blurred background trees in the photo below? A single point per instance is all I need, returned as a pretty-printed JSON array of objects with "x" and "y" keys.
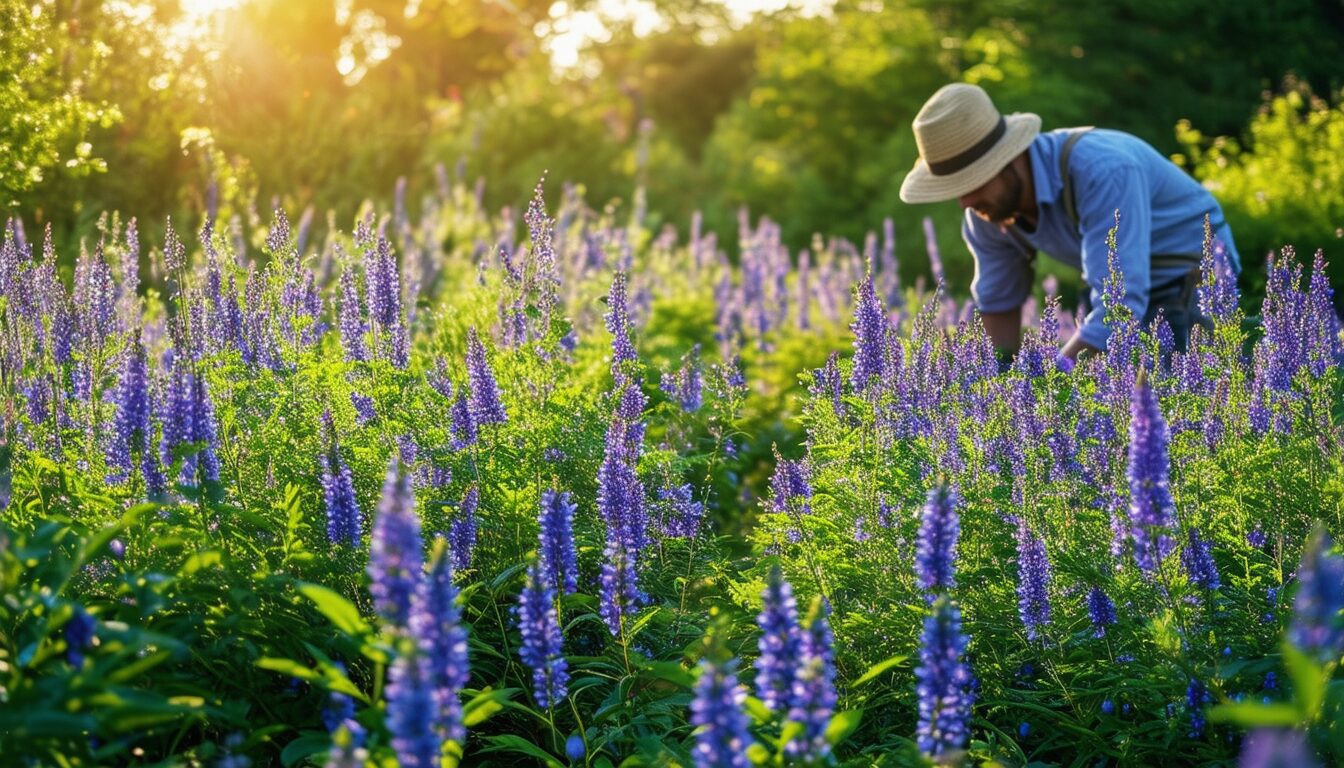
[{"x": 165, "y": 107}]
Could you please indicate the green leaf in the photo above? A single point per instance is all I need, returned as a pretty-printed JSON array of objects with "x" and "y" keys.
[
  {"x": 842, "y": 725},
  {"x": 1309, "y": 681},
  {"x": 519, "y": 746},
  {"x": 484, "y": 705},
  {"x": 340, "y": 612},
  {"x": 308, "y": 744},
  {"x": 879, "y": 668},
  {"x": 1250, "y": 714},
  {"x": 670, "y": 671}
]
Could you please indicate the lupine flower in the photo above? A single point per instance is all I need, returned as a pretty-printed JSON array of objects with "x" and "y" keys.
[
  {"x": 1317, "y": 627},
  {"x": 338, "y": 494},
  {"x": 682, "y": 515},
  {"x": 132, "y": 429},
  {"x": 1151, "y": 510},
  {"x": 463, "y": 423},
  {"x": 618, "y": 322},
  {"x": 1033, "y": 582},
  {"x": 1198, "y": 561},
  {"x": 1218, "y": 288},
  {"x": 190, "y": 418},
  {"x": 1256, "y": 538},
  {"x": 869, "y": 329},
  {"x": 555, "y": 542},
  {"x": 814, "y": 689},
  {"x": 620, "y": 593},
  {"x": 936, "y": 552},
  {"x": 410, "y": 710},
  {"x": 79, "y": 632},
  {"x": 1195, "y": 697},
  {"x": 395, "y": 558},
  {"x": 436, "y": 626},
  {"x": 542, "y": 647},
  {"x": 352, "y": 318},
  {"x": 365, "y": 411},
  {"x": 575, "y": 749},
  {"x": 462, "y": 534},
  {"x": 686, "y": 385},
  {"x": 943, "y": 683},
  {"x": 1101, "y": 610},
  {"x": 486, "y": 407},
  {"x": 721, "y": 737},
  {"x": 339, "y": 707},
  {"x": 1276, "y": 748},
  {"x": 781, "y": 644},
  {"x": 382, "y": 284},
  {"x": 789, "y": 482}
]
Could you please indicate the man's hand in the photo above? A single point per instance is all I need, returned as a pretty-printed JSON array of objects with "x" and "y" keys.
[{"x": 1076, "y": 347}]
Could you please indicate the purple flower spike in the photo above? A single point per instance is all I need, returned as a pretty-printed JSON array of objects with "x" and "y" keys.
[
  {"x": 943, "y": 683},
  {"x": 814, "y": 692},
  {"x": 1151, "y": 510},
  {"x": 721, "y": 737},
  {"x": 781, "y": 644},
  {"x": 486, "y": 407},
  {"x": 436, "y": 626},
  {"x": 542, "y": 648},
  {"x": 936, "y": 552},
  {"x": 1317, "y": 628},
  {"x": 396, "y": 560},
  {"x": 1033, "y": 582},
  {"x": 1101, "y": 610},
  {"x": 462, "y": 535},
  {"x": 555, "y": 542},
  {"x": 1198, "y": 561}
]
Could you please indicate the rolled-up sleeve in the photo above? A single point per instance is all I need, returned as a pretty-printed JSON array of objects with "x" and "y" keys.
[
  {"x": 1003, "y": 269},
  {"x": 1120, "y": 188}
]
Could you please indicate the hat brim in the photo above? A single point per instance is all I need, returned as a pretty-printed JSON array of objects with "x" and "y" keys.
[{"x": 922, "y": 186}]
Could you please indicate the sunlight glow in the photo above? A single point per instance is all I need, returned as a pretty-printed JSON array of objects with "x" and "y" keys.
[{"x": 207, "y": 7}]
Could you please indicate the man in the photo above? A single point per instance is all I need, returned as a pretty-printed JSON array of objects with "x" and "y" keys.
[{"x": 1025, "y": 191}]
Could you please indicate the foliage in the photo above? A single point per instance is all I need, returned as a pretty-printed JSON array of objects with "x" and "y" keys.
[{"x": 1283, "y": 182}]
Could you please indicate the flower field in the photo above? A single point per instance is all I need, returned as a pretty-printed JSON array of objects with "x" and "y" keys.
[{"x": 555, "y": 489}]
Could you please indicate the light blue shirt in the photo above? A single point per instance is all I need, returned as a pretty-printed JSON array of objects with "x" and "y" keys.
[{"x": 1161, "y": 208}]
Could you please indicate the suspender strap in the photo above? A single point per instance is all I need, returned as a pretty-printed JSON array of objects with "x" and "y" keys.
[{"x": 1070, "y": 204}]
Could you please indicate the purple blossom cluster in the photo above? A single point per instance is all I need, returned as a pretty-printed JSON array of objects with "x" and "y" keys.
[
  {"x": 555, "y": 542},
  {"x": 542, "y": 647},
  {"x": 936, "y": 550},
  {"x": 1033, "y": 582},
  {"x": 944, "y": 683},
  {"x": 1152, "y": 513},
  {"x": 721, "y": 737}
]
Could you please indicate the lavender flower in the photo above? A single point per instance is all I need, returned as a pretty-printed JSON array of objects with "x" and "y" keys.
[
  {"x": 486, "y": 407},
  {"x": 781, "y": 644},
  {"x": 721, "y": 738},
  {"x": 943, "y": 683},
  {"x": 395, "y": 559},
  {"x": 814, "y": 690},
  {"x": 936, "y": 552},
  {"x": 1033, "y": 582},
  {"x": 1198, "y": 561},
  {"x": 542, "y": 648},
  {"x": 555, "y": 542},
  {"x": 1151, "y": 510},
  {"x": 436, "y": 627},
  {"x": 620, "y": 593},
  {"x": 462, "y": 534},
  {"x": 1317, "y": 628},
  {"x": 1101, "y": 611}
]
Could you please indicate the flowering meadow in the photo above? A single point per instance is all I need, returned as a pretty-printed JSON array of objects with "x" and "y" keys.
[{"x": 457, "y": 486}]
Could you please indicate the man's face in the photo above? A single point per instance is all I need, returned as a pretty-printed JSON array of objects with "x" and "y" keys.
[{"x": 996, "y": 201}]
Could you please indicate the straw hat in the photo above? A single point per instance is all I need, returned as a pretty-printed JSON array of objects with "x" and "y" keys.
[{"x": 963, "y": 143}]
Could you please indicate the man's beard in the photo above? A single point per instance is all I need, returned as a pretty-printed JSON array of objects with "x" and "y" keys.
[{"x": 1005, "y": 211}]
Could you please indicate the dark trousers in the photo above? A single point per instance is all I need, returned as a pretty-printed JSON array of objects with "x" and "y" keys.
[{"x": 1178, "y": 301}]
